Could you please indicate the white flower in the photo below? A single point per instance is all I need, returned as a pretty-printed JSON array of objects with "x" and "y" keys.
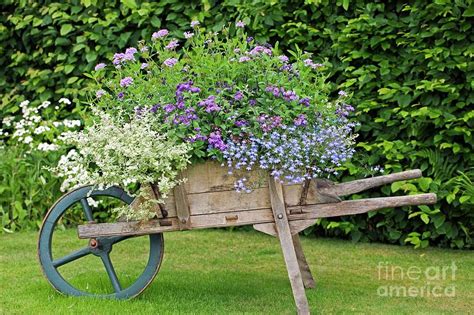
[
  {"x": 24, "y": 104},
  {"x": 45, "y": 104},
  {"x": 48, "y": 147},
  {"x": 92, "y": 202},
  {"x": 7, "y": 121},
  {"x": 28, "y": 140},
  {"x": 57, "y": 123},
  {"x": 71, "y": 123},
  {"x": 64, "y": 100},
  {"x": 39, "y": 130}
]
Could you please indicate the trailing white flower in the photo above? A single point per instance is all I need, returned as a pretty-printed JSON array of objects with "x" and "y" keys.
[{"x": 115, "y": 152}]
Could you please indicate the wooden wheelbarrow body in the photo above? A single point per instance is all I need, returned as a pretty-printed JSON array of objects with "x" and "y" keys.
[{"x": 208, "y": 199}]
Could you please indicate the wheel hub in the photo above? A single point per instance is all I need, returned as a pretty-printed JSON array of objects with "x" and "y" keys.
[{"x": 100, "y": 246}]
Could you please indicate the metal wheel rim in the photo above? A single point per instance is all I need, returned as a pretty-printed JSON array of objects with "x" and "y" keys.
[{"x": 55, "y": 278}]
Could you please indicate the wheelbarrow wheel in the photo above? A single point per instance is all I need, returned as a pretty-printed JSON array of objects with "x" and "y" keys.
[{"x": 101, "y": 248}]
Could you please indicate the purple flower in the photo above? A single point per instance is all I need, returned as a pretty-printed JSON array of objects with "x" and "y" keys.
[
  {"x": 120, "y": 96},
  {"x": 188, "y": 35},
  {"x": 260, "y": 50},
  {"x": 237, "y": 50},
  {"x": 172, "y": 44},
  {"x": 239, "y": 96},
  {"x": 273, "y": 89},
  {"x": 194, "y": 24},
  {"x": 283, "y": 58},
  {"x": 144, "y": 65},
  {"x": 305, "y": 101},
  {"x": 170, "y": 62},
  {"x": 252, "y": 102},
  {"x": 311, "y": 64},
  {"x": 120, "y": 58},
  {"x": 154, "y": 108},
  {"x": 160, "y": 34},
  {"x": 100, "y": 66},
  {"x": 342, "y": 93},
  {"x": 215, "y": 141},
  {"x": 131, "y": 51},
  {"x": 169, "y": 108},
  {"x": 197, "y": 137},
  {"x": 241, "y": 123},
  {"x": 210, "y": 104},
  {"x": 144, "y": 49},
  {"x": 240, "y": 24},
  {"x": 100, "y": 93},
  {"x": 125, "y": 82},
  {"x": 249, "y": 39},
  {"x": 289, "y": 96},
  {"x": 244, "y": 59},
  {"x": 300, "y": 120}
]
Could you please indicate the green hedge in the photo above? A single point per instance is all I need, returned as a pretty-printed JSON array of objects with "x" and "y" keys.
[{"x": 409, "y": 68}]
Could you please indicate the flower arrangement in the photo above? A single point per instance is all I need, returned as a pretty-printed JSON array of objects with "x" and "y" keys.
[{"x": 169, "y": 102}]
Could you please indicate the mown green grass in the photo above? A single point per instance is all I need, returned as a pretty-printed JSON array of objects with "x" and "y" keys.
[{"x": 222, "y": 272}]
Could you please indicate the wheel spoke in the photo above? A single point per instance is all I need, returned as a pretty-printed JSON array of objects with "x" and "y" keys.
[
  {"x": 87, "y": 209},
  {"x": 111, "y": 272},
  {"x": 118, "y": 239},
  {"x": 71, "y": 257}
]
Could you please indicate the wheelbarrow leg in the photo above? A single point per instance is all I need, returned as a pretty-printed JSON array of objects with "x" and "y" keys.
[
  {"x": 308, "y": 279},
  {"x": 284, "y": 234}
]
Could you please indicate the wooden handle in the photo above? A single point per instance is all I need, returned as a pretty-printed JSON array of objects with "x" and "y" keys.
[
  {"x": 349, "y": 207},
  {"x": 356, "y": 186}
]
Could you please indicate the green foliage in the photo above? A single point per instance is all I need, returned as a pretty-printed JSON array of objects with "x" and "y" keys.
[
  {"x": 26, "y": 189},
  {"x": 409, "y": 67}
]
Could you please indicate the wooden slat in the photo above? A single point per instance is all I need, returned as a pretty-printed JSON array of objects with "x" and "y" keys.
[
  {"x": 182, "y": 206},
  {"x": 248, "y": 217},
  {"x": 308, "y": 280},
  {"x": 350, "y": 207},
  {"x": 357, "y": 186},
  {"x": 296, "y": 226},
  {"x": 286, "y": 241},
  {"x": 196, "y": 222}
]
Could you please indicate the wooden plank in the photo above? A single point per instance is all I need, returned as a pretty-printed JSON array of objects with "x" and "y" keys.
[
  {"x": 226, "y": 201},
  {"x": 356, "y": 186},
  {"x": 296, "y": 226},
  {"x": 308, "y": 280},
  {"x": 210, "y": 176},
  {"x": 350, "y": 207},
  {"x": 196, "y": 222},
  {"x": 284, "y": 234},
  {"x": 248, "y": 217},
  {"x": 266, "y": 228},
  {"x": 182, "y": 206}
]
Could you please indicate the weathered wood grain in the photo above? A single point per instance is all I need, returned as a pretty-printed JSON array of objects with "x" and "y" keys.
[
  {"x": 248, "y": 217},
  {"x": 286, "y": 241},
  {"x": 182, "y": 205},
  {"x": 350, "y": 207},
  {"x": 308, "y": 280},
  {"x": 359, "y": 185}
]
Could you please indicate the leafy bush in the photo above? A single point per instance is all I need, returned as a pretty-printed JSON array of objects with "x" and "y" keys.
[{"x": 409, "y": 65}]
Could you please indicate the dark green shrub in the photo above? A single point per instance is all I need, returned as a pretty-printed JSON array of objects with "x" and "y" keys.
[{"x": 409, "y": 67}]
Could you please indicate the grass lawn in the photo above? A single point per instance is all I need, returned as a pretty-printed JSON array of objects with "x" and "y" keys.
[{"x": 220, "y": 272}]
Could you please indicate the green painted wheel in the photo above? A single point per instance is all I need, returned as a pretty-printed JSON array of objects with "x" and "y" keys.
[{"x": 99, "y": 248}]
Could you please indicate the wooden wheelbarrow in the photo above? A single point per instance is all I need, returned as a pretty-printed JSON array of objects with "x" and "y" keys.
[{"x": 208, "y": 200}]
